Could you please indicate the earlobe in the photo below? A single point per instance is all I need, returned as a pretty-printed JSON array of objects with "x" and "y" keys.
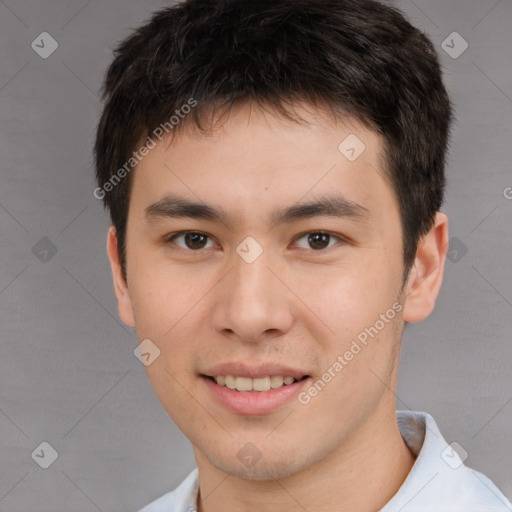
[
  {"x": 426, "y": 274},
  {"x": 124, "y": 302}
]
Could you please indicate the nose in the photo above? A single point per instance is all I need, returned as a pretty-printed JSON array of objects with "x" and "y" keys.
[{"x": 252, "y": 303}]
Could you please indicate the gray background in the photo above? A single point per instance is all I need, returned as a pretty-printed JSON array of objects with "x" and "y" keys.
[{"x": 68, "y": 375}]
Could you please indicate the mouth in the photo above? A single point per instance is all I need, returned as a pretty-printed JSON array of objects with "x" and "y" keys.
[
  {"x": 254, "y": 385},
  {"x": 254, "y": 396}
]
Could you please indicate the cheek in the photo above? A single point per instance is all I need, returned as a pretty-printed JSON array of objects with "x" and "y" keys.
[
  {"x": 360, "y": 308},
  {"x": 161, "y": 298},
  {"x": 170, "y": 312},
  {"x": 349, "y": 297},
  {"x": 164, "y": 310}
]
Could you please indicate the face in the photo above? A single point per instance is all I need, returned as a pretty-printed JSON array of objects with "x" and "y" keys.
[{"x": 291, "y": 266}]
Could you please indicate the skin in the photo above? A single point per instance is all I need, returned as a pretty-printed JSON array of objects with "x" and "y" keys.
[{"x": 296, "y": 305}]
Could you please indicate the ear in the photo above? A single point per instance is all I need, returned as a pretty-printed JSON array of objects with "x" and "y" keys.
[
  {"x": 426, "y": 274},
  {"x": 124, "y": 302}
]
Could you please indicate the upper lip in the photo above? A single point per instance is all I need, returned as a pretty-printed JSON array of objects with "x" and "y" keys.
[{"x": 241, "y": 369}]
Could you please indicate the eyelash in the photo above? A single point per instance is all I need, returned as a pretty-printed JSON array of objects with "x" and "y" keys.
[{"x": 169, "y": 239}]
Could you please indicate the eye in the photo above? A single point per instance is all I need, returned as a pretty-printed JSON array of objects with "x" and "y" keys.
[
  {"x": 192, "y": 240},
  {"x": 195, "y": 240},
  {"x": 318, "y": 240}
]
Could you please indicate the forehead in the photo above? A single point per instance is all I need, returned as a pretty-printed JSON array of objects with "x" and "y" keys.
[{"x": 255, "y": 159}]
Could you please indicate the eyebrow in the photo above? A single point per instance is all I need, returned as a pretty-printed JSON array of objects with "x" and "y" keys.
[{"x": 172, "y": 206}]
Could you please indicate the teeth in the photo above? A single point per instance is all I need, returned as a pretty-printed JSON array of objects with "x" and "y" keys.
[
  {"x": 243, "y": 384},
  {"x": 261, "y": 384},
  {"x": 258, "y": 384},
  {"x": 230, "y": 381}
]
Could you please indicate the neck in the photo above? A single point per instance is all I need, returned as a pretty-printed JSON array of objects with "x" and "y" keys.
[{"x": 363, "y": 474}]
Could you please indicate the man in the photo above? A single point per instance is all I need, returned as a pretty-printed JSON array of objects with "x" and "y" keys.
[{"x": 274, "y": 173}]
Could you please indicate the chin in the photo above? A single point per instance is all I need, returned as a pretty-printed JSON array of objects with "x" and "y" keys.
[{"x": 263, "y": 470}]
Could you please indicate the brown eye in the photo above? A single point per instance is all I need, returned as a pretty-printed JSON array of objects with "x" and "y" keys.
[
  {"x": 318, "y": 240},
  {"x": 192, "y": 240}
]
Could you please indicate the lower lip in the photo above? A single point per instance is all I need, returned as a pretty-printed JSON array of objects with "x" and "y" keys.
[{"x": 254, "y": 403}]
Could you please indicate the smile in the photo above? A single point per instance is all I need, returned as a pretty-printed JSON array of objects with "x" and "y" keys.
[
  {"x": 259, "y": 384},
  {"x": 253, "y": 396}
]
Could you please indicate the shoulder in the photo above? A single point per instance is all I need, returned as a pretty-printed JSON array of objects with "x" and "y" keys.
[
  {"x": 439, "y": 479},
  {"x": 181, "y": 499}
]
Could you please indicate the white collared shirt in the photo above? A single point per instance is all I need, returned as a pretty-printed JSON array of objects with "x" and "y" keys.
[{"x": 438, "y": 481}]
